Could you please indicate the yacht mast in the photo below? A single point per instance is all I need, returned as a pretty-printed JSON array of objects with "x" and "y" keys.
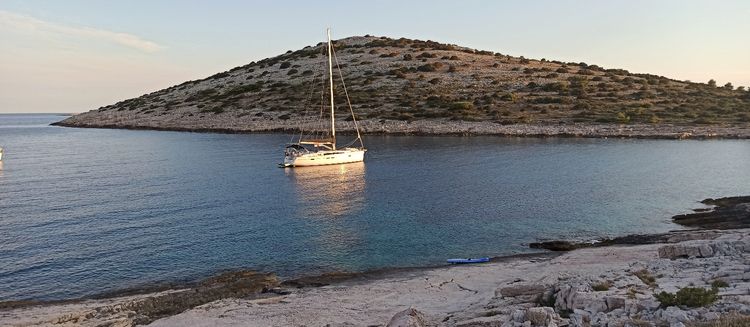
[{"x": 330, "y": 78}]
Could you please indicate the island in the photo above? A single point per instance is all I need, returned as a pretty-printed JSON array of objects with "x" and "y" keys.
[{"x": 415, "y": 87}]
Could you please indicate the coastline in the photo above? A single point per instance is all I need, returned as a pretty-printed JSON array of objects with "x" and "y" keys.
[
  {"x": 246, "y": 125},
  {"x": 494, "y": 294},
  {"x": 479, "y": 295}
]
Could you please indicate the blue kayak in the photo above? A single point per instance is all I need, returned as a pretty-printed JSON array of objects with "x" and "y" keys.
[{"x": 469, "y": 260}]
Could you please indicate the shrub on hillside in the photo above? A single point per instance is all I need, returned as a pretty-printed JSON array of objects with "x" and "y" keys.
[
  {"x": 555, "y": 87},
  {"x": 509, "y": 97},
  {"x": 462, "y": 105},
  {"x": 692, "y": 297},
  {"x": 427, "y": 55},
  {"x": 430, "y": 67}
]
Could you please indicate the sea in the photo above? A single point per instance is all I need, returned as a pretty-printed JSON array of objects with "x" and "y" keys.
[{"x": 85, "y": 212}]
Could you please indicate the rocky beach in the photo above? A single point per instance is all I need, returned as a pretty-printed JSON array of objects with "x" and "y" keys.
[{"x": 697, "y": 277}]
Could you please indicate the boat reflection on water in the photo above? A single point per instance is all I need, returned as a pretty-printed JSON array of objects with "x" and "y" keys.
[{"x": 329, "y": 192}]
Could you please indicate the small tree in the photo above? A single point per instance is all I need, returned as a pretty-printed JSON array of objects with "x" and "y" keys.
[
  {"x": 712, "y": 82},
  {"x": 729, "y": 86}
]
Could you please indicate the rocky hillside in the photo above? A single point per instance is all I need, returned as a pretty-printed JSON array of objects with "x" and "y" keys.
[{"x": 405, "y": 81}]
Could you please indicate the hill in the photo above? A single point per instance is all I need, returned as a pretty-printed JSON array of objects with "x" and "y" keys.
[{"x": 413, "y": 86}]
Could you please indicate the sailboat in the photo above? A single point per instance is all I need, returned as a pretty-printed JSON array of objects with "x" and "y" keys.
[{"x": 323, "y": 151}]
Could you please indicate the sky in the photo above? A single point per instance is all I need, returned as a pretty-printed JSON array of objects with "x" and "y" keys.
[{"x": 77, "y": 55}]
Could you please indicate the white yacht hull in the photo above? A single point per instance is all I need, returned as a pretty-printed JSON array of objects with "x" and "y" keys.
[{"x": 325, "y": 157}]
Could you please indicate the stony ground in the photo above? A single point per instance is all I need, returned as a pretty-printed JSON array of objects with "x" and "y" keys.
[{"x": 604, "y": 286}]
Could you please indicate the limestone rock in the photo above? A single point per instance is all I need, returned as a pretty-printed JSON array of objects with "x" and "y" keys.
[
  {"x": 408, "y": 318},
  {"x": 522, "y": 291},
  {"x": 674, "y": 314},
  {"x": 614, "y": 302},
  {"x": 685, "y": 251},
  {"x": 543, "y": 317}
]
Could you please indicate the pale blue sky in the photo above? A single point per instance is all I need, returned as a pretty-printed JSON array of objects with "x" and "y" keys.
[{"x": 73, "y": 56}]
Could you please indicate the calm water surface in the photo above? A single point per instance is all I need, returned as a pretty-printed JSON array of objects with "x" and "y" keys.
[{"x": 84, "y": 211}]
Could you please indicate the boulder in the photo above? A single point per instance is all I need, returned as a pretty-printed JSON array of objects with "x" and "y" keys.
[
  {"x": 674, "y": 251},
  {"x": 711, "y": 316},
  {"x": 543, "y": 317},
  {"x": 522, "y": 291},
  {"x": 579, "y": 320},
  {"x": 674, "y": 315},
  {"x": 408, "y": 318},
  {"x": 614, "y": 302},
  {"x": 587, "y": 301}
]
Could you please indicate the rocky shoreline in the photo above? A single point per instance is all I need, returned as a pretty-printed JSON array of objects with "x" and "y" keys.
[
  {"x": 622, "y": 284},
  {"x": 727, "y": 213},
  {"x": 246, "y": 124}
]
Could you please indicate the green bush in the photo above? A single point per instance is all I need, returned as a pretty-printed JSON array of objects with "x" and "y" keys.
[
  {"x": 689, "y": 296},
  {"x": 601, "y": 286}
]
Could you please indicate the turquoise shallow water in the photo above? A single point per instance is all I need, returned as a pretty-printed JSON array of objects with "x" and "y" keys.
[{"x": 86, "y": 211}]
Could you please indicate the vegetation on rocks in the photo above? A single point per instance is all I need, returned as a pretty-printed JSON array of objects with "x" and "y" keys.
[{"x": 646, "y": 277}]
